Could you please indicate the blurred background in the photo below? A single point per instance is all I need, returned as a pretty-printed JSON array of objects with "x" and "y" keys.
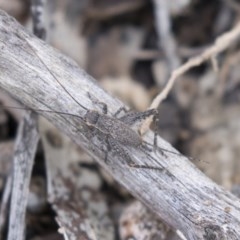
[{"x": 131, "y": 48}]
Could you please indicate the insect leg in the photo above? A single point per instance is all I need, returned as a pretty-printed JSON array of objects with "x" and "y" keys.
[
  {"x": 132, "y": 118},
  {"x": 146, "y": 147},
  {"x": 118, "y": 150},
  {"x": 97, "y": 102},
  {"x": 155, "y": 145},
  {"x": 108, "y": 150},
  {"x": 121, "y": 109}
]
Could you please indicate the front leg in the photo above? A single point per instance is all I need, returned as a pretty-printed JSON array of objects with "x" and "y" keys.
[
  {"x": 102, "y": 105},
  {"x": 121, "y": 109}
]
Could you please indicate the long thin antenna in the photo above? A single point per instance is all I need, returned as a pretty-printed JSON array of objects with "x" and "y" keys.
[
  {"x": 55, "y": 77},
  {"x": 41, "y": 110},
  {"x": 39, "y": 30},
  {"x": 74, "y": 99}
]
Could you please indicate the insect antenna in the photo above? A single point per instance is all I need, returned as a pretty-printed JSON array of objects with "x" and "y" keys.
[
  {"x": 42, "y": 110},
  {"x": 63, "y": 87}
]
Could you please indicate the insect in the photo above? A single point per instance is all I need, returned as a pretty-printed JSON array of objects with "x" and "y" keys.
[{"x": 118, "y": 132}]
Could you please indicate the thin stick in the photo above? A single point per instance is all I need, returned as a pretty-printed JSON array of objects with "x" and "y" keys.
[
  {"x": 166, "y": 39},
  {"x": 222, "y": 43},
  {"x": 25, "y": 149}
]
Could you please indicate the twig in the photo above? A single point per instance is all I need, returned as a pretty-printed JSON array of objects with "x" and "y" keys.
[
  {"x": 4, "y": 204},
  {"x": 104, "y": 11},
  {"x": 73, "y": 192},
  {"x": 166, "y": 39},
  {"x": 230, "y": 62},
  {"x": 6, "y": 152},
  {"x": 25, "y": 149},
  {"x": 221, "y": 44},
  {"x": 37, "y": 16},
  {"x": 180, "y": 194}
]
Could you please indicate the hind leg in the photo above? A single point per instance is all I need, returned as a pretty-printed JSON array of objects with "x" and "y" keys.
[
  {"x": 149, "y": 147},
  {"x": 132, "y": 118},
  {"x": 118, "y": 150}
]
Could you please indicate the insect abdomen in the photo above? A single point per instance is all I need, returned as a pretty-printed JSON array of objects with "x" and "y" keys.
[{"x": 125, "y": 135}]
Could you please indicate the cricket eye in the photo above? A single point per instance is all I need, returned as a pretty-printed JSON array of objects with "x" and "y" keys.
[{"x": 91, "y": 117}]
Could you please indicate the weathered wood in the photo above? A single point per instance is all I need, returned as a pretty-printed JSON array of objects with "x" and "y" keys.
[
  {"x": 6, "y": 157},
  {"x": 73, "y": 191},
  {"x": 4, "y": 205},
  {"x": 180, "y": 194},
  {"x": 24, "y": 153}
]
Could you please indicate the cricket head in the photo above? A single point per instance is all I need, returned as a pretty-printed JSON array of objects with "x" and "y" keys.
[{"x": 91, "y": 117}]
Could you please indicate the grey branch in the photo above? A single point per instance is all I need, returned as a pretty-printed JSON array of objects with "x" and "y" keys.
[
  {"x": 25, "y": 150},
  {"x": 6, "y": 156},
  {"x": 73, "y": 191},
  {"x": 24, "y": 153},
  {"x": 180, "y": 194},
  {"x": 163, "y": 28},
  {"x": 4, "y": 204}
]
